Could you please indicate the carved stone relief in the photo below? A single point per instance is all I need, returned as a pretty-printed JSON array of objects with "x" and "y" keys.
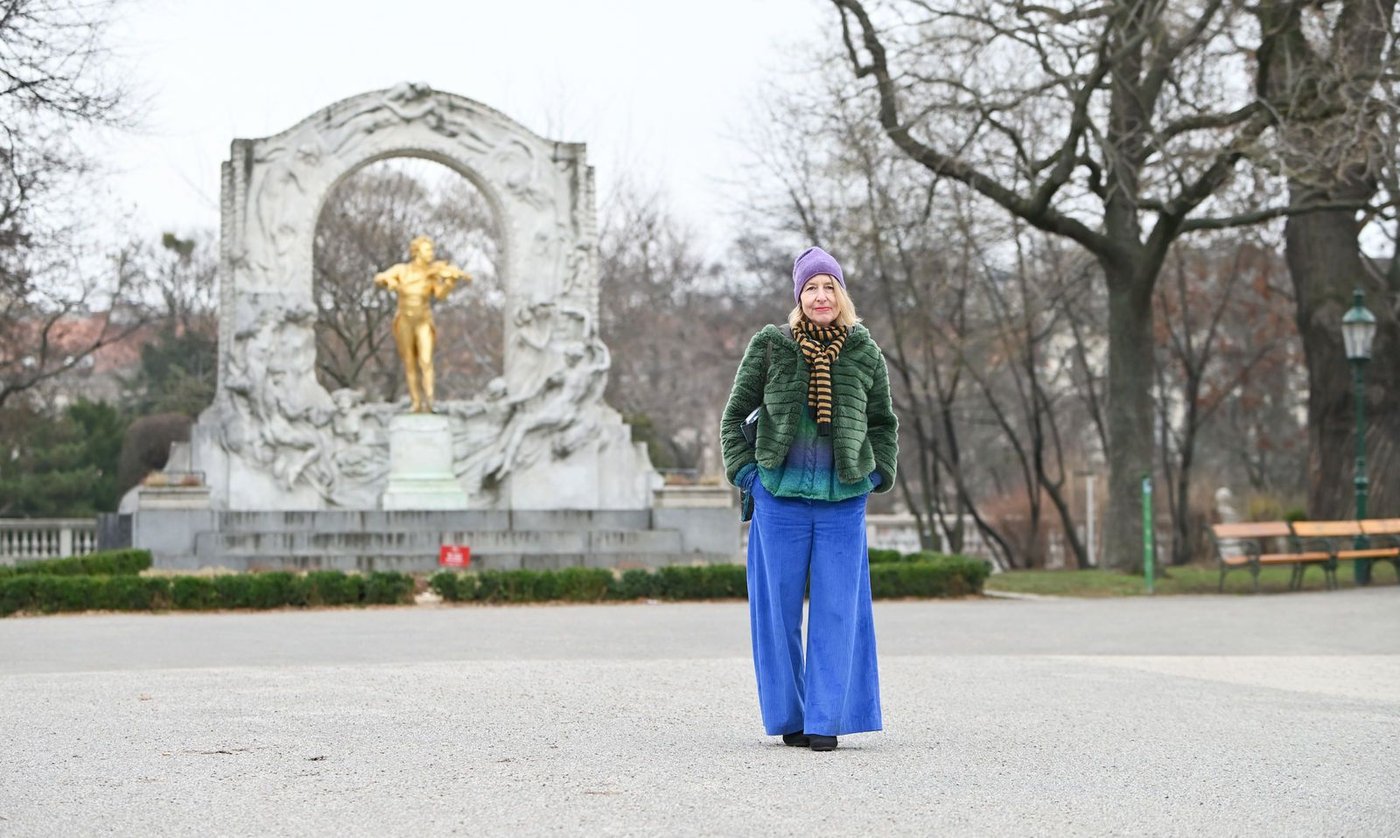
[{"x": 272, "y": 419}]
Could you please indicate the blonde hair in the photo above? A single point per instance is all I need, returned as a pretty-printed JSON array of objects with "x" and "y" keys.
[{"x": 845, "y": 309}]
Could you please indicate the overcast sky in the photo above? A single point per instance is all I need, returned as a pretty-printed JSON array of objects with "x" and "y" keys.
[{"x": 660, "y": 87}]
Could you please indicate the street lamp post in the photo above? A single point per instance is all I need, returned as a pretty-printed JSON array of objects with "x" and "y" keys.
[{"x": 1358, "y": 330}]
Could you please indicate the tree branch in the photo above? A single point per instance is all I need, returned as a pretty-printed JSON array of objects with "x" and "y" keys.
[{"x": 935, "y": 161}]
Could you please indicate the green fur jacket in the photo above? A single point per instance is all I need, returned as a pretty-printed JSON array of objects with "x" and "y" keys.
[{"x": 864, "y": 430}]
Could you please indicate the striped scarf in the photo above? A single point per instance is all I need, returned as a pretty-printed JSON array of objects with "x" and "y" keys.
[{"x": 820, "y": 346}]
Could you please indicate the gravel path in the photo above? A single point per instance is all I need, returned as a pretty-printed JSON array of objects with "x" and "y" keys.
[{"x": 1271, "y": 715}]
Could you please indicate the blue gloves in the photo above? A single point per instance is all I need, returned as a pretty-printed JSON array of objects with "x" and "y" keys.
[{"x": 875, "y": 480}]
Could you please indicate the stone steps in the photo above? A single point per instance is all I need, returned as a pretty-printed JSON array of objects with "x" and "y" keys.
[
  {"x": 427, "y": 542},
  {"x": 493, "y": 561},
  {"x": 346, "y": 521},
  {"x": 410, "y": 540}
]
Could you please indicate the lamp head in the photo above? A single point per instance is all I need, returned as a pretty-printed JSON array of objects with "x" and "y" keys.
[{"x": 1358, "y": 329}]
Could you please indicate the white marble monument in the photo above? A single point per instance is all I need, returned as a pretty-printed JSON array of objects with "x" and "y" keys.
[{"x": 539, "y": 437}]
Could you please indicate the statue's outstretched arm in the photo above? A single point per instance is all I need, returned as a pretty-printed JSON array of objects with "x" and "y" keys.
[{"x": 388, "y": 279}]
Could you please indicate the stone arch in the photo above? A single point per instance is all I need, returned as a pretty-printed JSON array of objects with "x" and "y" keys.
[
  {"x": 275, "y": 438},
  {"x": 487, "y": 189},
  {"x": 478, "y": 349}
]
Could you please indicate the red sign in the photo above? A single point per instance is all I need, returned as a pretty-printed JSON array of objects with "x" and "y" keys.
[{"x": 454, "y": 555}]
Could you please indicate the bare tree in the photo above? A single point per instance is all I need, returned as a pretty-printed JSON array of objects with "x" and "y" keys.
[
  {"x": 676, "y": 325},
  {"x": 1111, "y": 125},
  {"x": 179, "y": 347},
  {"x": 1222, "y": 328},
  {"x": 1027, "y": 379},
  {"x": 54, "y": 80},
  {"x": 1330, "y": 72},
  {"x": 46, "y": 333}
]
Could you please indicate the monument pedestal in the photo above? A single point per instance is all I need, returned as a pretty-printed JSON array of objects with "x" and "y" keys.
[{"x": 420, "y": 465}]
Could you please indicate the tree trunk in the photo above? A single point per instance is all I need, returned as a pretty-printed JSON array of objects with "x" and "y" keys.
[
  {"x": 1335, "y": 159},
  {"x": 1129, "y": 413},
  {"x": 1325, "y": 264}
]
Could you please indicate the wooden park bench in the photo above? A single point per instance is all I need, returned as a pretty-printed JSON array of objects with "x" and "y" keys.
[
  {"x": 1259, "y": 544},
  {"x": 1256, "y": 545},
  {"x": 1339, "y": 538}
]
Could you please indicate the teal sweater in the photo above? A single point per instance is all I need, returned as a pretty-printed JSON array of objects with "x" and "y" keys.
[
  {"x": 809, "y": 471},
  {"x": 864, "y": 434}
]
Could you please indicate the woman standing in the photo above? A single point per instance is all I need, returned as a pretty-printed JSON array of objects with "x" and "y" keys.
[{"x": 826, "y": 438}]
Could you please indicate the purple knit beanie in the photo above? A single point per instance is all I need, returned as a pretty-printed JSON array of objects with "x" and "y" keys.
[{"x": 811, "y": 262}]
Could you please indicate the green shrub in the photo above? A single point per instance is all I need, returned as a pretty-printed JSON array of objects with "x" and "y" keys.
[
  {"x": 583, "y": 584},
  {"x": 259, "y": 590},
  {"x": 878, "y": 556},
  {"x": 896, "y": 557},
  {"x": 919, "y": 575},
  {"x": 452, "y": 586},
  {"x": 721, "y": 581},
  {"x": 50, "y": 593},
  {"x": 194, "y": 593},
  {"x": 635, "y": 584},
  {"x": 516, "y": 586},
  {"x": 132, "y": 593},
  {"x": 943, "y": 576},
  {"x": 725, "y": 581},
  {"x": 68, "y": 593},
  {"x": 16, "y": 593},
  {"x": 677, "y": 583},
  {"x": 388, "y": 588},
  {"x": 108, "y": 562},
  {"x": 331, "y": 587}
]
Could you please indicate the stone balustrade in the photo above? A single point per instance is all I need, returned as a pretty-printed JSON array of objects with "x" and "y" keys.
[{"x": 23, "y": 539}]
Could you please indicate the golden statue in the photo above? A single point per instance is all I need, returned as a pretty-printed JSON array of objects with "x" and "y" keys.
[{"x": 418, "y": 282}]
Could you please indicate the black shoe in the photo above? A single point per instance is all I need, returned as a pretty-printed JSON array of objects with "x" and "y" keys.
[
  {"x": 821, "y": 743},
  {"x": 796, "y": 740}
]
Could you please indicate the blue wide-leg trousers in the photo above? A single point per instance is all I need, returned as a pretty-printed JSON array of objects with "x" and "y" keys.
[{"x": 835, "y": 688}]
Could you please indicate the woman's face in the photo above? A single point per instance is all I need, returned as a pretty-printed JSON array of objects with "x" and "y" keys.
[{"x": 819, "y": 299}]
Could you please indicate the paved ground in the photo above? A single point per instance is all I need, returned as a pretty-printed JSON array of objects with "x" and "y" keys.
[{"x": 1176, "y": 716}]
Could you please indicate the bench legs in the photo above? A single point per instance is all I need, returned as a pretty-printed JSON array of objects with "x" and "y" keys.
[
  {"x": 1224, "y": 569},
  {"x": 1329, "y": 575},
  {"x": 1295, "y": 579},
  {"x": 1395, "y": 563}
]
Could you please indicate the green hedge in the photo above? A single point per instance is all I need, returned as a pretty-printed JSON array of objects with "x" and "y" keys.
[
  {"x": 106, "y": 563},
  {"x": 50, "y": 593},
  {"x": 929, "y": 575},
  {"x": 938, "y": 576},
  {"x": 917, "y": 575},
  {"x": 878, "y": 556},
  {"x": 896, "y": 557},
  {"x": 583, "y": 584}
]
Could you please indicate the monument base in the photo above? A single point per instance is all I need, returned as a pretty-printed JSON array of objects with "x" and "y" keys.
[{"x": 420, "y": 465}]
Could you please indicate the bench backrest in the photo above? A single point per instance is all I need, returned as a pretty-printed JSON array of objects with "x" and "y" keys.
[
  {"x": 1326, "y": 529},
  {"x": 1250, "y": 529},
  {"x": 1381, "y": 526}
]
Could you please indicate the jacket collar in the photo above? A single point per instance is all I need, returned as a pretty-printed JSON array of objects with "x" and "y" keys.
[{"x": 783, "y": 336}]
